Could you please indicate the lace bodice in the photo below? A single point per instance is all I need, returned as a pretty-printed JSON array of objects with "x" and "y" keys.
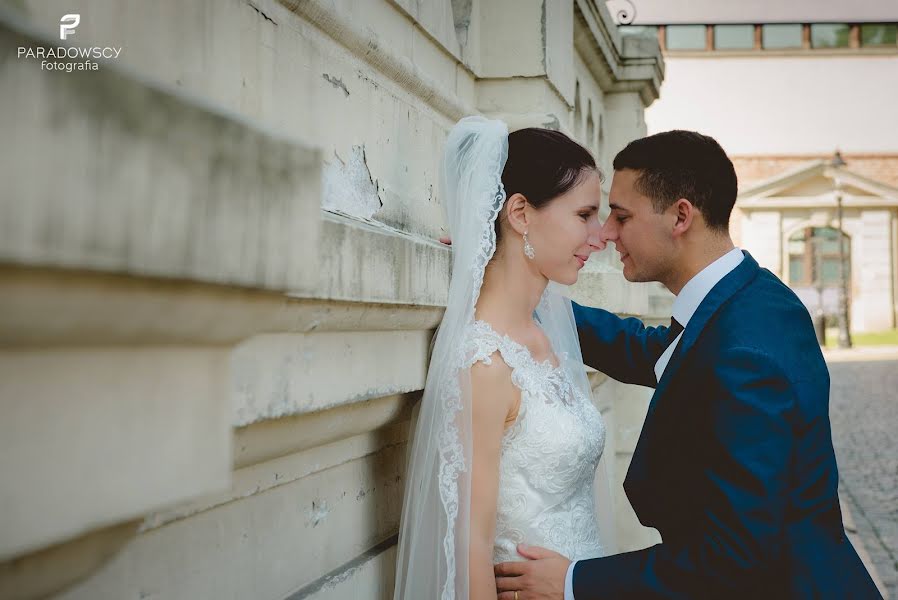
[{"x": 548, "y": 458}]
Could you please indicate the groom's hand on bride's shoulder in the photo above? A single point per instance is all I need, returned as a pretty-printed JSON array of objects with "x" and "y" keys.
[{"x": 539, "y": 578}]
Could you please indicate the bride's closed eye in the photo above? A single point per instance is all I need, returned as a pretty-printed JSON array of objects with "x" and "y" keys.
[{"x": 587, "y": 212}]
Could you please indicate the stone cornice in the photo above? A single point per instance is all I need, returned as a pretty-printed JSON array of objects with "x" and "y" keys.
[{"x": 620, "y": 63}]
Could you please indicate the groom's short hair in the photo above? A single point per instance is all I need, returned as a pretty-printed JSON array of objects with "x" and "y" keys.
[{"x": 683, "y": 164}]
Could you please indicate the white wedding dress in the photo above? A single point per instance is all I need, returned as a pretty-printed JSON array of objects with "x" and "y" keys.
[{"x": 549, "y": 455}]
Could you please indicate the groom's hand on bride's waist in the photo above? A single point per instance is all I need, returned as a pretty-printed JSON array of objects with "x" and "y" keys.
[{"x": 539, "y": 578}]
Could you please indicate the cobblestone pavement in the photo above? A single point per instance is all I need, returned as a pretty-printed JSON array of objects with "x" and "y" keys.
[{"x": 864, "y": 414}]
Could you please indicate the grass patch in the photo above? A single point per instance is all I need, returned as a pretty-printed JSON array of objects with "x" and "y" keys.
[{"x": 877, "y": 338}]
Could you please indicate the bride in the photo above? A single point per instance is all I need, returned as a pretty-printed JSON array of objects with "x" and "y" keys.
[{"x": 507, "y": 440}]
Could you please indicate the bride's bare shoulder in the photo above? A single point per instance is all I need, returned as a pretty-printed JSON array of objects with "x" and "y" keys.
[{"x": 495, "y": 398}]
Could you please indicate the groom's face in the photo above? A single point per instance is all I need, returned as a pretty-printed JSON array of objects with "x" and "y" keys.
[{"x": 640, "y": 235}]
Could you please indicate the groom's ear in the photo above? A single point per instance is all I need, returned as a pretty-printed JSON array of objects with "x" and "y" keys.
[
  {"x": 516, "y": 209},
  {"x": 685, "y": 213}
]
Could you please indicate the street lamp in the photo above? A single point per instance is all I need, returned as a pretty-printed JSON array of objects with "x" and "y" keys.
[
  {"x": 837, "y": 163},
  {"x": 813, "y": 243}
]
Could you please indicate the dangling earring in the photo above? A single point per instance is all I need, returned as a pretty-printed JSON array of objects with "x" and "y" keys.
[{"x": 528, "y": 249}]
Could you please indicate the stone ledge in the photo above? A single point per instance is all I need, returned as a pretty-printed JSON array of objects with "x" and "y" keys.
[
  {"x": 43, "y": 307},
  {"x": 366, "y": 261},
  {"x": 370, "y": 576},
  {"x": 146, "y": 181},
  {"x": 279, "y": 375},
  {"x": 265, "y": 464},
  {"x": 267, "y": 544},
  {"x": 103, "y": 441},
  {"x": 267, "y": 440},
  {"x": 48, "y": 571},
  {"x": 372, "y": 277}
]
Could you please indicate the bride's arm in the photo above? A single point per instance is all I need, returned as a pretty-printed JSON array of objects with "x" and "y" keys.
[{"x": 495, "y": 401}]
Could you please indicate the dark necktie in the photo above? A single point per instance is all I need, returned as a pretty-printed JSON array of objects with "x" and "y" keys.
[{"x": 674, "y": 331}]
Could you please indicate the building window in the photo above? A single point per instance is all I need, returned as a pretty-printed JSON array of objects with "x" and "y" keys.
[
  {"x": 814, "y": 257},
  {"x": 879, "y": 34},
  {"x": 772, "y": 36},
  {"x": 734, "y": 37},
  {"x": 686, "y": 37},
  {"x": 830, "y": 35},
  {"x": 780, "y": 36}
]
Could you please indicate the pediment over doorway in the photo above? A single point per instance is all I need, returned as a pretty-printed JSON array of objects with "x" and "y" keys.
[{"x": 815, "y": 183}]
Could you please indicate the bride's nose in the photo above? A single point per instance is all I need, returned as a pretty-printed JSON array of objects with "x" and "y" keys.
[{"x": 595, "y": 240}]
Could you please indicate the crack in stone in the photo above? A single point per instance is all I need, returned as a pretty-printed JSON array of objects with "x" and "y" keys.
[{"x": 264, "y": 16}]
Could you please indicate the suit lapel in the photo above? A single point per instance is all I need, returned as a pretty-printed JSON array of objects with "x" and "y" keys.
[{"x": 734, "y": 281}]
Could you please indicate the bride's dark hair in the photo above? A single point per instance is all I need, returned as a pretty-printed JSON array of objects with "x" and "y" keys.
[{"x": 542, "y": 165}]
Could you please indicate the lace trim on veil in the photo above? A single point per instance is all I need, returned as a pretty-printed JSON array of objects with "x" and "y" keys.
[{"x": 452, "y": 460}]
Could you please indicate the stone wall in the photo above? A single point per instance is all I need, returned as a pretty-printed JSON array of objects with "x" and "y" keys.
[{"x": 220, "y": 280}]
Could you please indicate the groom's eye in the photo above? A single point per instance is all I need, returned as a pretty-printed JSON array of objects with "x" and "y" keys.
[{"x": 621, "y": 219}]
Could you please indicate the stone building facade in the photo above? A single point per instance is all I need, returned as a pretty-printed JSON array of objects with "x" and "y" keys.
[
  {"x": 220, "y": 275},
  {"x": 782, "y": 86},
  {"x": 791, "y": 222}
]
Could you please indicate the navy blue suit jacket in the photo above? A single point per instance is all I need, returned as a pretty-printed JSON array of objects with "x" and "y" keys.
[{"x": 735, "y": 464}]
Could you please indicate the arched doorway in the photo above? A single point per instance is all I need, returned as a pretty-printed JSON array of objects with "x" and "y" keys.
[{"x": 814, "y": 272}]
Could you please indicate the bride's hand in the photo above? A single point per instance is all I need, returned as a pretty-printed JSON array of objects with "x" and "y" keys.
[
  {"x": 445, "y": 240},
  {"x": 540, "y": 578}
]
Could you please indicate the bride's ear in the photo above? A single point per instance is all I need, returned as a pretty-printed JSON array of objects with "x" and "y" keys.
[{"x": 516, "y": 211}]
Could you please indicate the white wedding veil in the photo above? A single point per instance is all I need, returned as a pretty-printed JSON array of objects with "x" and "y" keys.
[{"x": 432, "y": 557}]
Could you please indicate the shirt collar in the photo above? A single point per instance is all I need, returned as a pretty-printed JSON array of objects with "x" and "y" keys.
[{"x": 695, "y": 290}]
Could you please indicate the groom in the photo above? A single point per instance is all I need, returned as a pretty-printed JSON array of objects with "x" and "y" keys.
[{"x": 735, "y": 464}]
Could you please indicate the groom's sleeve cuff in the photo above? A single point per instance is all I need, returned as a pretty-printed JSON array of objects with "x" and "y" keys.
[{"x": 569, "y": 582}]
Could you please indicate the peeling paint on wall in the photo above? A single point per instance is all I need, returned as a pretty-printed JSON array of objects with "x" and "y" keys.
[
  {"x": 461, "y": 14},
  {"x": 348, "y": 186},
  {"x": 552, "y": 123},
  {"x": 318, "y": 512},
  {"x": 336, "y": 82}
]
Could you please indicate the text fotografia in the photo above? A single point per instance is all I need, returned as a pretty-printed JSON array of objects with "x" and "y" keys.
[{"x": 61, "y": 58}]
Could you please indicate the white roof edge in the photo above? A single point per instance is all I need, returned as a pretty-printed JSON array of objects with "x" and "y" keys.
[{"x": 673, "y": 12}]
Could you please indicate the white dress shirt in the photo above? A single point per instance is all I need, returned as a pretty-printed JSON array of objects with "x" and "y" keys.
[{"x": 684, "y": 306}]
